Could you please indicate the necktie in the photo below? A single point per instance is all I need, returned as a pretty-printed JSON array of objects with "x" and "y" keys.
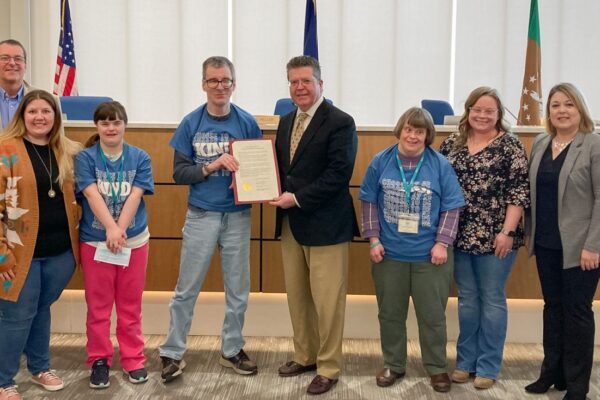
[{"x": 297, "y": 134}]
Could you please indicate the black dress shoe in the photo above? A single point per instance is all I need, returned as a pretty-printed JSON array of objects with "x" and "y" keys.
[
  {"x": 542, "y": 386},
  {"x": 292, "y": 368},
  {"x": 386, "y": 377}
]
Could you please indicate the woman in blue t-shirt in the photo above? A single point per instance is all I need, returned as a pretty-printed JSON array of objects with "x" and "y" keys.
[
  {"x": 112, "y": 177},
  {"x": 410, "y": 203}
]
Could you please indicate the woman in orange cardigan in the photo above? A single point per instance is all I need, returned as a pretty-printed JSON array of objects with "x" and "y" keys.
[{"x": 39, "y": 239}]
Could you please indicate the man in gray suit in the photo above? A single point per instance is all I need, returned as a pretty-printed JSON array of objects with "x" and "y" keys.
[{"x": 13, "y": 64}]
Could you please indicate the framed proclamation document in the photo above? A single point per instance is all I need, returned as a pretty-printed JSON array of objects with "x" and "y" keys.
[{"x": 257, "y": 179}]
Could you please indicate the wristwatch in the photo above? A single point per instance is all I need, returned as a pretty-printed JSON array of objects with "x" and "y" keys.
[{"x": 508, "y": 233}]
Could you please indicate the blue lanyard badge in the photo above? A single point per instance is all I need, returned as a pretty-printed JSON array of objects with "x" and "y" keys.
[
  {"x": 408, "y": 185},
  {"x": 115, "y": 194}
]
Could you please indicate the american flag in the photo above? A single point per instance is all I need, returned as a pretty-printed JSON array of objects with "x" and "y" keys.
[{"x": 64, "y": 77}]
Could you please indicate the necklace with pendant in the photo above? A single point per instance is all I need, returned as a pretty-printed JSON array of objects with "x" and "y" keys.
[
  {"x": 560, "y": 146},
  {"x": 51, "y": 192}
]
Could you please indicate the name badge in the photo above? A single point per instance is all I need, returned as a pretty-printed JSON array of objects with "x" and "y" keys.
[
  {"x": 408, "y": 223},
  {"x": 103, "y": 254}
]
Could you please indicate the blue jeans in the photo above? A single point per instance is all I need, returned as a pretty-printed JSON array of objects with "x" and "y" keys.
[
  {"x": 203, "y": 230},
  {"x": 25, "y": 324},
  {"x": 482, "y": 311}
]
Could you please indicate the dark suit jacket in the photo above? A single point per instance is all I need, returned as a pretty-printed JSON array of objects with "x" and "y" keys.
[
  {"x": 319, "y": 176},
  {"x": 578, "y": 196}
]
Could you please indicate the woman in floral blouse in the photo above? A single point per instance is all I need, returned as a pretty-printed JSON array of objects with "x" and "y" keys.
[{"x": 492, "y": 169}]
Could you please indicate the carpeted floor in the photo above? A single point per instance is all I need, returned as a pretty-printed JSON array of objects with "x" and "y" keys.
[{"x": 204, "y": 378}]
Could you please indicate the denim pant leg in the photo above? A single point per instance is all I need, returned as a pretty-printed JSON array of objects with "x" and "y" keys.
[
  {"x": 430, "y": 288},
  {"x": 492, "y": 273},
  {"x": 15, "y": 323},
  {"x": 234, "y": 246},
  {"x": 55, "y": 274},
  {"x": 467, "y": 346},
  {"x": 200, "y": 235}
]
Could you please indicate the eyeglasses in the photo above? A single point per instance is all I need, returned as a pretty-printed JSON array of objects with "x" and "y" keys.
[
  {"x": 484, "y": 111},
  {"x": 304, "y": 82},
  {"x": 4, "y": 59},
  {"x": 226, "y": 83}
]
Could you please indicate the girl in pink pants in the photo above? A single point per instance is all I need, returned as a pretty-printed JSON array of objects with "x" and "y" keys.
[{"x": 112, "y": 177}]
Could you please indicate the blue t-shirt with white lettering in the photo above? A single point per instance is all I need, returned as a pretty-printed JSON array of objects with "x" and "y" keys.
[
  {"x": 90, "y": 168},
  {"x": 435, "y": 189},
  {"x": 204, "y": 139}
]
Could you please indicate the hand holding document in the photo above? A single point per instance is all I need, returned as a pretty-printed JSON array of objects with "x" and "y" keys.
[
  {"x": 257, "y": 179},
  {"x": 103, "y": 254}
]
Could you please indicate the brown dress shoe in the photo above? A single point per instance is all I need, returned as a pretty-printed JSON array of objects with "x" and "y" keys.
[
  {"x": 292, "y": 368},
  {"x": 386, "y": 377},
  {"x": 320, "y": 385},
  {"x": 441, "y": 382}
]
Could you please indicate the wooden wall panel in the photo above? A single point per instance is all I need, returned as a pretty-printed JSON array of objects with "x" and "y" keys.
[
  {"x": 167, "y": 212},
  {"x": 272, "y": 267},
  {"x": 359, "y": 269},
  {"x": 167, "y": 209},
  {"x": 163, "y": 268},
  {"x": 154, "y": 140}
]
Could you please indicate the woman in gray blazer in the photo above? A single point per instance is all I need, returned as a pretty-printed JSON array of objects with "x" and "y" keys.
[{"x": 564, "y": 228}]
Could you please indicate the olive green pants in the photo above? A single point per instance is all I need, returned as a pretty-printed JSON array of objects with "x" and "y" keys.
[{"x": 429, "y": 287}]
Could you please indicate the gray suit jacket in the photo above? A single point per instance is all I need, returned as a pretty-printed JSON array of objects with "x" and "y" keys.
[{"x": 578, "y": 196}]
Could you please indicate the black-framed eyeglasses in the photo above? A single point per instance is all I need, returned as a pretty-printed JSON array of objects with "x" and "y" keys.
[
  {"x": 5, "y": 59},
  {"x": 226, "y": 83}
]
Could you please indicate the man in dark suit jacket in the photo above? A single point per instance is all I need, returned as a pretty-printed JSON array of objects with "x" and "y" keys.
[{"x": 316, "y": 148}]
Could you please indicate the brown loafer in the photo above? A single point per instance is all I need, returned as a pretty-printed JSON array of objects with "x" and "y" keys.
[
  {"x": 441, "y": 382},
  {"x": 386, "y": 377},
  {"x": 320, "y": 385},
  {"x": 292, "y": 368}
]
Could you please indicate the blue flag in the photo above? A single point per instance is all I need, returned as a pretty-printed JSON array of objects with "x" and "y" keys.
[{"x": 311, "y": 46}]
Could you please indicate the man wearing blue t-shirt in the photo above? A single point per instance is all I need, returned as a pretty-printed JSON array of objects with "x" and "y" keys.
[{"x": 202, "y": 161}]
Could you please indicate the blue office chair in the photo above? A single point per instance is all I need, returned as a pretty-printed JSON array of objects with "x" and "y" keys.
[
  {"x": 81, "y": 108},
  {"x": 286, "y": 105},
  {"x": 438, "y": 109}
]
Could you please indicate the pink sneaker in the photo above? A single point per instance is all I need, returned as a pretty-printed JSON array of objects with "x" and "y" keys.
[
  {"x": 48, "y": 380},
  {"x": 10, "y": 393}
]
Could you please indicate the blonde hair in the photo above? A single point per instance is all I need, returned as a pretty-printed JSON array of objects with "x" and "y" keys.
[
  {"x": 64, "y": 148},
  {"x": 586, "y": 124},
  {"x": 464, "y": 127}
]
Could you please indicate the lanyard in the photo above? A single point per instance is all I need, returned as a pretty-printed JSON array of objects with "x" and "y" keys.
[
  {"x": 116, "y": 194},
  {"x": 408, "y": 185}
]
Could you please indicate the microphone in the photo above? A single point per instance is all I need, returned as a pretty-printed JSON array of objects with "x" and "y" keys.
[{"x": 511, "y": 114}]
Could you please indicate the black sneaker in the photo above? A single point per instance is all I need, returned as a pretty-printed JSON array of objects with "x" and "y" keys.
[
  {"x": 171, "y": 368},
  {"x": 240, "y": 363},
  {"x": 99, "y": 376},
  {"x": 137, "y": 375}
]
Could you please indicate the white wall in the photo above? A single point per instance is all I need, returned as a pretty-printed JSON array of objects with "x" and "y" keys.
[{"x": 379, "y": 57}]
